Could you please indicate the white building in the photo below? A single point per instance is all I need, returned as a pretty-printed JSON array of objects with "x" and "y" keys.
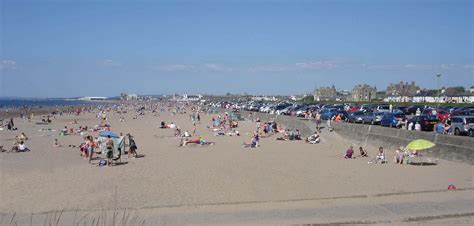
[
  {"x": 128, "y": 97},
  {"x": 186, "y": 97},
  {"x": 93, "y": 98}
]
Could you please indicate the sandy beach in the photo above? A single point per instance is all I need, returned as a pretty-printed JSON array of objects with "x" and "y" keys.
[{"x": 53, "y": 179}]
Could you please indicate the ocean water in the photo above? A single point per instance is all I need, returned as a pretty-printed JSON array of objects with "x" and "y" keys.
[{"x": 39, "y": 103}]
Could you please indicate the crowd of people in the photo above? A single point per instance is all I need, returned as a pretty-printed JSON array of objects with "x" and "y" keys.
[
  {"x": 401, "y": 155},
  {"x": 221, "y": 124}
]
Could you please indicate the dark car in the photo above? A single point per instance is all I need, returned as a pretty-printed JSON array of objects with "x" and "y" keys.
[
  {"x": 412, "y": 109},
  {"x": 427, "y": 122},
  {"x": 328, "y": 113},
  {"x": 404, "y": 109},
  {"x": 356, "y": 117},
  {"x": 463, "y": 111},
  {"x": 392, "y": 119}
]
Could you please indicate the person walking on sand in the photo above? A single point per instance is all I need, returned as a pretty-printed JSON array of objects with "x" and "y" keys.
[
  {"x": 109, "y": 144},
  {"x": 318, "y": 121},
  {"x": 90, "y": 145},
  {"x": 132, "y": 147}
]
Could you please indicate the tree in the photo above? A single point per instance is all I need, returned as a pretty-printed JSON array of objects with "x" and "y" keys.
[{"x": 454, "y": 91}]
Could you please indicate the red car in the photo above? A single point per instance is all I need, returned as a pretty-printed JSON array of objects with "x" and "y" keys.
[
  {"x": 443, "y": 115},
  {"x": 352, "y": 109}
]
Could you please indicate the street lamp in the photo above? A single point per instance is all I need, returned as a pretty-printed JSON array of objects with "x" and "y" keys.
[{"x": 439, "y": 92}]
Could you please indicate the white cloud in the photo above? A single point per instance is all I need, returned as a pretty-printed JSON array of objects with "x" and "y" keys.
[
  {"x": 8, "y": 65},
  {"x": 323, "y": 64},
  {"x": 311, "y": 66},
  {"x": 217, "y": 67},
  {"x": 208, "y": 67},
  {"x": 109, "y": 63},
  {"x": 177, "y": 67}
]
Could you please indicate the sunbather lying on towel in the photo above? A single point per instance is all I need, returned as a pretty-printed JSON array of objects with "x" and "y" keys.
[{"x": 200, "y": 141}]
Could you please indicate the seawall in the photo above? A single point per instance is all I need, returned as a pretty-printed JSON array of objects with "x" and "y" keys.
[
  {"x": 453, "y": 148},
  {"x": 448, "y": 147}
]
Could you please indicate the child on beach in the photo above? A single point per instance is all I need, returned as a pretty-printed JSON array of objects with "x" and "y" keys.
[
  {"x": 380, "y": 158},
  {"x": 363, "y": 153},
  {"x": 399, "y": 156},
  {"x": 349, "y": 153}
]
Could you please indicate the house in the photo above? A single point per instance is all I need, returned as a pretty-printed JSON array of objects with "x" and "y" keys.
[
  {"x": 363, "y": 93},
  {"x": 325, "y": 94}
]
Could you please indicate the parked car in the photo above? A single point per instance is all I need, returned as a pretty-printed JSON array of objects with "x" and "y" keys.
[
  {"x": 280, "y": 108},
  {"x": 403, "y": 109},
  {"x": 328, "y": 113},
  {"x": 412, "y": 109},
  {"x": 463, "y": 111},
  {"x": 373, "y": 117},
  {"x": 383, "y": 108},
  {"x": 427, "y": 122},
  {"x": 353, "y": 108},
  {"x": 356, "y": 117},
  {"x": 285, "y": 110},
  {"x": 392, "y": 119},
  {"x": 463, "y": 125},
  {"x": 442, "y": 114}
]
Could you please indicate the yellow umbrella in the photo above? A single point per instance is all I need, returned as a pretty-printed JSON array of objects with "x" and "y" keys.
[{"x": 420, "y": 144}]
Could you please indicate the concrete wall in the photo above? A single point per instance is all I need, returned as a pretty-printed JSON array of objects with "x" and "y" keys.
[
  {"x": 454, "y": 148},
  {"x": 287, "y": 122}
]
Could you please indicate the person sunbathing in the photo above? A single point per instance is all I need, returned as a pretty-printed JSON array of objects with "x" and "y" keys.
[
  {"x": 286, "y": 135},
  {"x": 199, "y": 140},
  {"x": 399, "y": 156},
  {"x": 163, "y": 125},
  {"x": 186, "y": 134},
  {"x": 314, "y": 138},
  {"x": 297, "y": 134},
  {"x": 234, "y": 133},
  {"x": 23, "y": 137},
  {"x": 22, "y": 147},
  {"x": 380, "y": 158},
  {"x": 363, "y": 153},
  {"x": 349, "y": 153},
  {"x": 253, "y": 143}
]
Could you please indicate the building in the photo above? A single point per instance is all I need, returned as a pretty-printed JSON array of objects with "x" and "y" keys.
[
  {"x": 186, "y": 98},
  {"x": 128, "y": 97},
  {"x": 472, "y": 89},
  {"x": 197, "y": 97},
  {"x": 263, "y": 98},
  {"x": 93, "y": 98},
  {"x": 325, "y": 94},
  {"x": 431, "y": 96},
  {"x": 402, "y": 89},
  {"x": 363, "y": 93}
]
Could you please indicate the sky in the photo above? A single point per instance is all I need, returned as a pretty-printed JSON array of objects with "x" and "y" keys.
[{"x": 66, "y": 48}]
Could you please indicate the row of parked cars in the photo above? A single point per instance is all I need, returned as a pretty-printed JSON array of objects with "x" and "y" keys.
[{"x": 460, "y": 119}]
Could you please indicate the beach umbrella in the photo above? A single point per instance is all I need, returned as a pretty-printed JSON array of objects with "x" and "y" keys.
[
  {"x": 108, "y": 133},
  {"x": 420, "y": 144}
]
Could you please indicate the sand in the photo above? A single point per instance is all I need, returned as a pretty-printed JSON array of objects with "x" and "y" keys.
[{"x": 49, "y": 178}]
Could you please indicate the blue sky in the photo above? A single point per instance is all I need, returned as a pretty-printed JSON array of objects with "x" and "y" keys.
[{"x": 77, "y": 48}]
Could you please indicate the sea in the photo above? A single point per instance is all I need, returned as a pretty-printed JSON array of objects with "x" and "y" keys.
[{"x": 40, "y": 103}]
